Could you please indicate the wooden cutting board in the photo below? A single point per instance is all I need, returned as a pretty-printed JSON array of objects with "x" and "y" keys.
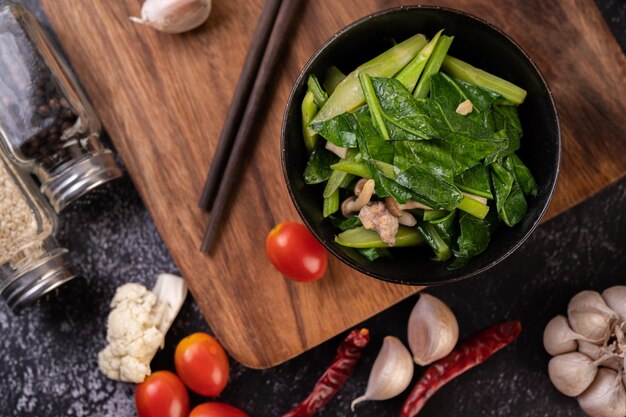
[{"x": 163, "y": 99}]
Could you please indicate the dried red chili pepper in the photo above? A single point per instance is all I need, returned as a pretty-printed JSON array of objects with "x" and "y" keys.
[
  {"x": 348, "y": 354},
  {"x": 468, "y": 354}
]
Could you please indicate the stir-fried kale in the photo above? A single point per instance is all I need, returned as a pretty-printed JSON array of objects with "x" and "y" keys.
[{"x": 431, "y": 131}]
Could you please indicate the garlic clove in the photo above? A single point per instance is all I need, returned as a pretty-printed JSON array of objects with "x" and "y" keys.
[
  {"x": 558, "y": 337},
  {"x": 391, "y": 373},
  {"x": 589, "y": 316},
  {"x": 571, "y": 373},
  {"x": 432, "y": 330},
  {"x": 606, "y": 396},
  {"x": 615, "y": 298},
  {"x": 174, "y": 16},
  {"x": 596, "y": 353}
]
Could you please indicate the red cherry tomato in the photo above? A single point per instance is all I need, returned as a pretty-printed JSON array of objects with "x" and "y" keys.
[
  {"x": 216, "y": 410},
  {"x": 295, "y": 252},
  {"x": 202, "y": 364},
  {"x": 162, "y": 394}
]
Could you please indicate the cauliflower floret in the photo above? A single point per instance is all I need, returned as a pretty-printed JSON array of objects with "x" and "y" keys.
[
  {"x": 133, "y": 334},
  {"x": 377, "y": 217}
]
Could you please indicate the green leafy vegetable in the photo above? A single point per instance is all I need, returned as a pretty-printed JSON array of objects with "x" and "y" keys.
[
  {"x": 361, "y": 237},
  {"x": 469, "y": 143},
  {"x": 474, "y": 237},
  {"x": 433, "y": 156},
  {"x": 481, "y": 98},
  {"x": 475, "y": 181},
  {"x": 318, "y": 167},
  {"x": 432, "y": 66},
  {"x": 451, "y": 92},
  {"x": 513, "y": 163},
  {"x": 430, "y": 189},
  {"x": 371, "y": 144},
  {"x": 506, "y": 121},
  {"x": 344, "y": 224},
  {"x": 446, "y": 227},
  {"x": 340, "y": 130},
  {"x": 510, "y": 200},
  {"x": 388, "y": 187},
  {"x": 400, "y": 114},
  {"x": 371, "y": 254}
]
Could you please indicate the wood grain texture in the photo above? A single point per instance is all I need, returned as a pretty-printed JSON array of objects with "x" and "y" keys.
[{"x": 163, "y": 100}]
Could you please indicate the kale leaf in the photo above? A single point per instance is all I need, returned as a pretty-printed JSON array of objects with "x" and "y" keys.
[
  {"x": 475, "y": 181},
  {"x": 318, "y": 167},
  {"x": 474, "y": 237},
  {"x": 510, "y": 200}
]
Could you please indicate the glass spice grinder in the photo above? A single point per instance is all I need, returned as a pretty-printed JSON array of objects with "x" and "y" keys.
[
  {"x": 47, "y": 125},
  {"x": 31, "y": 261}
]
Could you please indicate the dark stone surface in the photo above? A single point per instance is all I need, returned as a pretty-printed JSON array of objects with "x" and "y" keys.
[{"x": 48, "y": 353}]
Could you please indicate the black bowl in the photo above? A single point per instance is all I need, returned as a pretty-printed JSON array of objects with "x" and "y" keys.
[{"x": 482, "y": 45}]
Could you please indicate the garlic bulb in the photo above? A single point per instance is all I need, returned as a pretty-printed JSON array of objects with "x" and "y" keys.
[
  {"x": 559, "y": 338},
  {"x": 615, "y": 298},
  {"x": 432, "y": 330},
  {"x": 391, "y": 373},
  {"x": 590, "y": 317},
  {"x": 605, "y": 397},
  {"x": 571, "y": 373},
  {"x": 174, "y": 16},
  {"x": 594, "y": 367}
]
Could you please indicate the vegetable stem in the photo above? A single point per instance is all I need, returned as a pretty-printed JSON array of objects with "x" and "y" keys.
[
  {"x": 411, "y": 73},
  {"x": 432, "y": 238},
  {"x": 473, "y": 207},
  {"x": 355, "y": 168},
  {"x": 319, "y": 94},
  {"x": 348, "y": 96},
  {"x": 386, "y": 169},
  {"x": 430, "y": 215},
  {"x": 468, "y": 73},
  {"x": 332, "y": 79},
  {"x": 361, "y": 237},
  {"x": 334, "y": 182},
  {"x": 331, "y": 204},
  {"x": 309, "y": 110},
  {"x": 340, "y": 178},
  {"x": 432, "y": 66},
  {"x": 374, "y": 105}
]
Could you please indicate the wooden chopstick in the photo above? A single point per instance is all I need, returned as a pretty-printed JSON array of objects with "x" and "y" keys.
[
  {"x": 240, "y": 98},
  {"x": 245, "y": 134}
]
